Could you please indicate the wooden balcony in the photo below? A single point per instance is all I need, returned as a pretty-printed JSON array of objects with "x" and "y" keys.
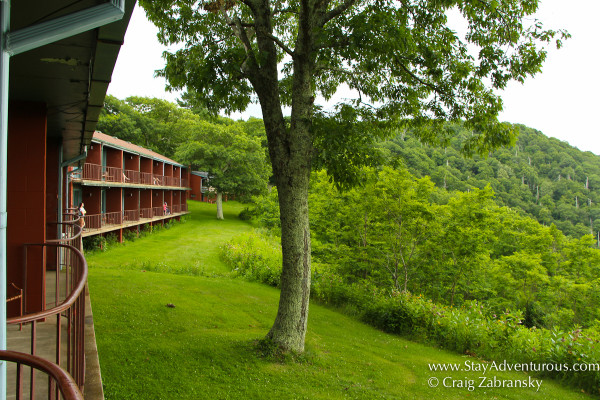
[
  {"x": 98, "y": 175},
  {"x": 106, "y": 222}
]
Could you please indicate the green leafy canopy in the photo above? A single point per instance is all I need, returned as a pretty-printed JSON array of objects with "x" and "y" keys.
[
  {"x": 235, "y": 161},
  {"x": 402, "y": 58}
]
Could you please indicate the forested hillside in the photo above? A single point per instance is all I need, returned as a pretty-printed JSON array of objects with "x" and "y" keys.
[
  {"x": 544, "y": 177},
  {"x": 539, "y": 176}
]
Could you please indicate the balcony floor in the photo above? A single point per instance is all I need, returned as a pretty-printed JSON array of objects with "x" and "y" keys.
[
  {"x": 20, "y": 340},
  {"x": 87, "y": 182}
]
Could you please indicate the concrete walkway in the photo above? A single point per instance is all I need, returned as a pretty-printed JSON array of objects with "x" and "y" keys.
[{"x": 46, "y": 332}]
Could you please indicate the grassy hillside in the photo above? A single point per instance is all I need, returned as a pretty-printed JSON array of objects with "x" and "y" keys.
[
  {"x": 190, "y": 248},
  {"x": 204, "y": 346}
]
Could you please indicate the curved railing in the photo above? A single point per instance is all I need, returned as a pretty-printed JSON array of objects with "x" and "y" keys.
[
  {"x": 68, "y": 231},
  {"x": 62, "y": 316},
  {"x": 59, "y": 380}
]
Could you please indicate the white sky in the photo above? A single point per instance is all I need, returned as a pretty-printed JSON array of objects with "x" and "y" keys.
[{"x": 561, "y": 102}]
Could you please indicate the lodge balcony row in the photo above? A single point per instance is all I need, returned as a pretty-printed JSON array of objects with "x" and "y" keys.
[{"x": 124, "y": 177}]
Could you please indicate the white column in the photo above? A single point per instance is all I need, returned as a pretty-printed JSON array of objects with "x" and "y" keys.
[{"x": 4, "y": 61}]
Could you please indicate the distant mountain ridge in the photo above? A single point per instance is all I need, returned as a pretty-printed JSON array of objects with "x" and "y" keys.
[{"x": 543, "y": 177}]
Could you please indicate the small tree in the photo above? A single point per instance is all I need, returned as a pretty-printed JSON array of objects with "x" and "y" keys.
[{"x": 235, "y": 162}]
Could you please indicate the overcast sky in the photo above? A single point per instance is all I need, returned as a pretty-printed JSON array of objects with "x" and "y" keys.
[{"x": 561, "y": 102}]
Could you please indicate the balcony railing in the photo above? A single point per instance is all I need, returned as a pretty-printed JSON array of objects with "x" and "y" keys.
[
  {"x": 146, "y": 178},
  {"x": 158, "y": 180},
  {"x": 113, "y": 218},
  {"x": 100, "y": 221},
  {"x": 58, "y": 379},
  {"x": 131, "y": 216},
  {"x": 62, "y": 317},
  {"x": 146, "y": 213},
  {"x": 99, "y": 173}
]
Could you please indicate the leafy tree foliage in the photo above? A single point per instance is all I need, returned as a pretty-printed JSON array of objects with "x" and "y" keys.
[
  {"x": 401, "y": 233},
  {"x": 235, "y": 161},
  {"x": 153, "y": 123}
]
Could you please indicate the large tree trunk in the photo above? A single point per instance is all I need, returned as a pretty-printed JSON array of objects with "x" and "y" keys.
[
  {"x": 289, "y": 328},
  {"x": 220, "y": 205},
  {"x": 290, "y": 150}
]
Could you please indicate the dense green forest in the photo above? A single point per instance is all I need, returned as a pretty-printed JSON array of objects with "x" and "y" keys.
[
  {"x": 539, "y": 176},
  {"x": 402, "y": 233}
]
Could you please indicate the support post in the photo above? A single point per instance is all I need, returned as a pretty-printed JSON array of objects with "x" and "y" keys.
[{"x": 4, "y": 64}]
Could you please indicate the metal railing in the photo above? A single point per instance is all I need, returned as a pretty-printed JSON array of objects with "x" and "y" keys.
[
  {"x": 93, "y": 221},
  {"x": 92, "y": 172},
  {"x": 131, "y": 215},
  {"x": 113, "y": 218},
  {"x": 158, "y": 180},
  {"x": 146, "y": 178},
  {"x": 62, "y": 315},
  {"x": 146, "y": 213},
  {"x": 99, "y": 221},
  {"x": 58, "y": 379},
  {"x": 130, "y": 176}
]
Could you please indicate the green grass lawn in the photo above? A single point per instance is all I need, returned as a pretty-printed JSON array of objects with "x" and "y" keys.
[
  {"x": 203, "y": 347},
  {"x": 190, "y": 248}
]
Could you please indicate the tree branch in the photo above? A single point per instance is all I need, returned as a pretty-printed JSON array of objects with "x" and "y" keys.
[
  {"x": 243, "y": 24},
  {"x": 337, "y": 11},
  {"x": 421, "y": 81},
  {"x": 280, "y": 43}
]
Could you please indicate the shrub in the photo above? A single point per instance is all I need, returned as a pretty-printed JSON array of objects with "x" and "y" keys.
[
  {"x": 93, "y": 243},
  {"x": 129, "y": 235},
  {"x": 254, "y": 257},
  {"x": 246, "y": 214}
]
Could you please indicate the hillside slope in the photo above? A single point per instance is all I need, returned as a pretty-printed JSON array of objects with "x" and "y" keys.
[{"x": 203, "y": 347}]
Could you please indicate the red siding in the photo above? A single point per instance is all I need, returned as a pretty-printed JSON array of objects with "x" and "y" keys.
[
  {"x": 131, "y": 199},
  {"x": 145, "y": 198},
  {"x": 146, "y": 165},
  {"x": 114, "y": 158},
  {"x": 168, "y": 170},
  {"x": 92, "y": 199},
  {"x": 94, "y": 154},
  {"x": 196, "y": 185},
  {"x": 26, "y": 195},
  {"x": 132, "y": 161},
  {"x": 113, "y": 200}
]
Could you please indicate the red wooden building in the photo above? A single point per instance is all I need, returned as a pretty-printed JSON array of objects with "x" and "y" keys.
[
  {"x": 56, "y": 62},
  {"x": 125, "y": 186},
  {"x": 199, "y": 186}
]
